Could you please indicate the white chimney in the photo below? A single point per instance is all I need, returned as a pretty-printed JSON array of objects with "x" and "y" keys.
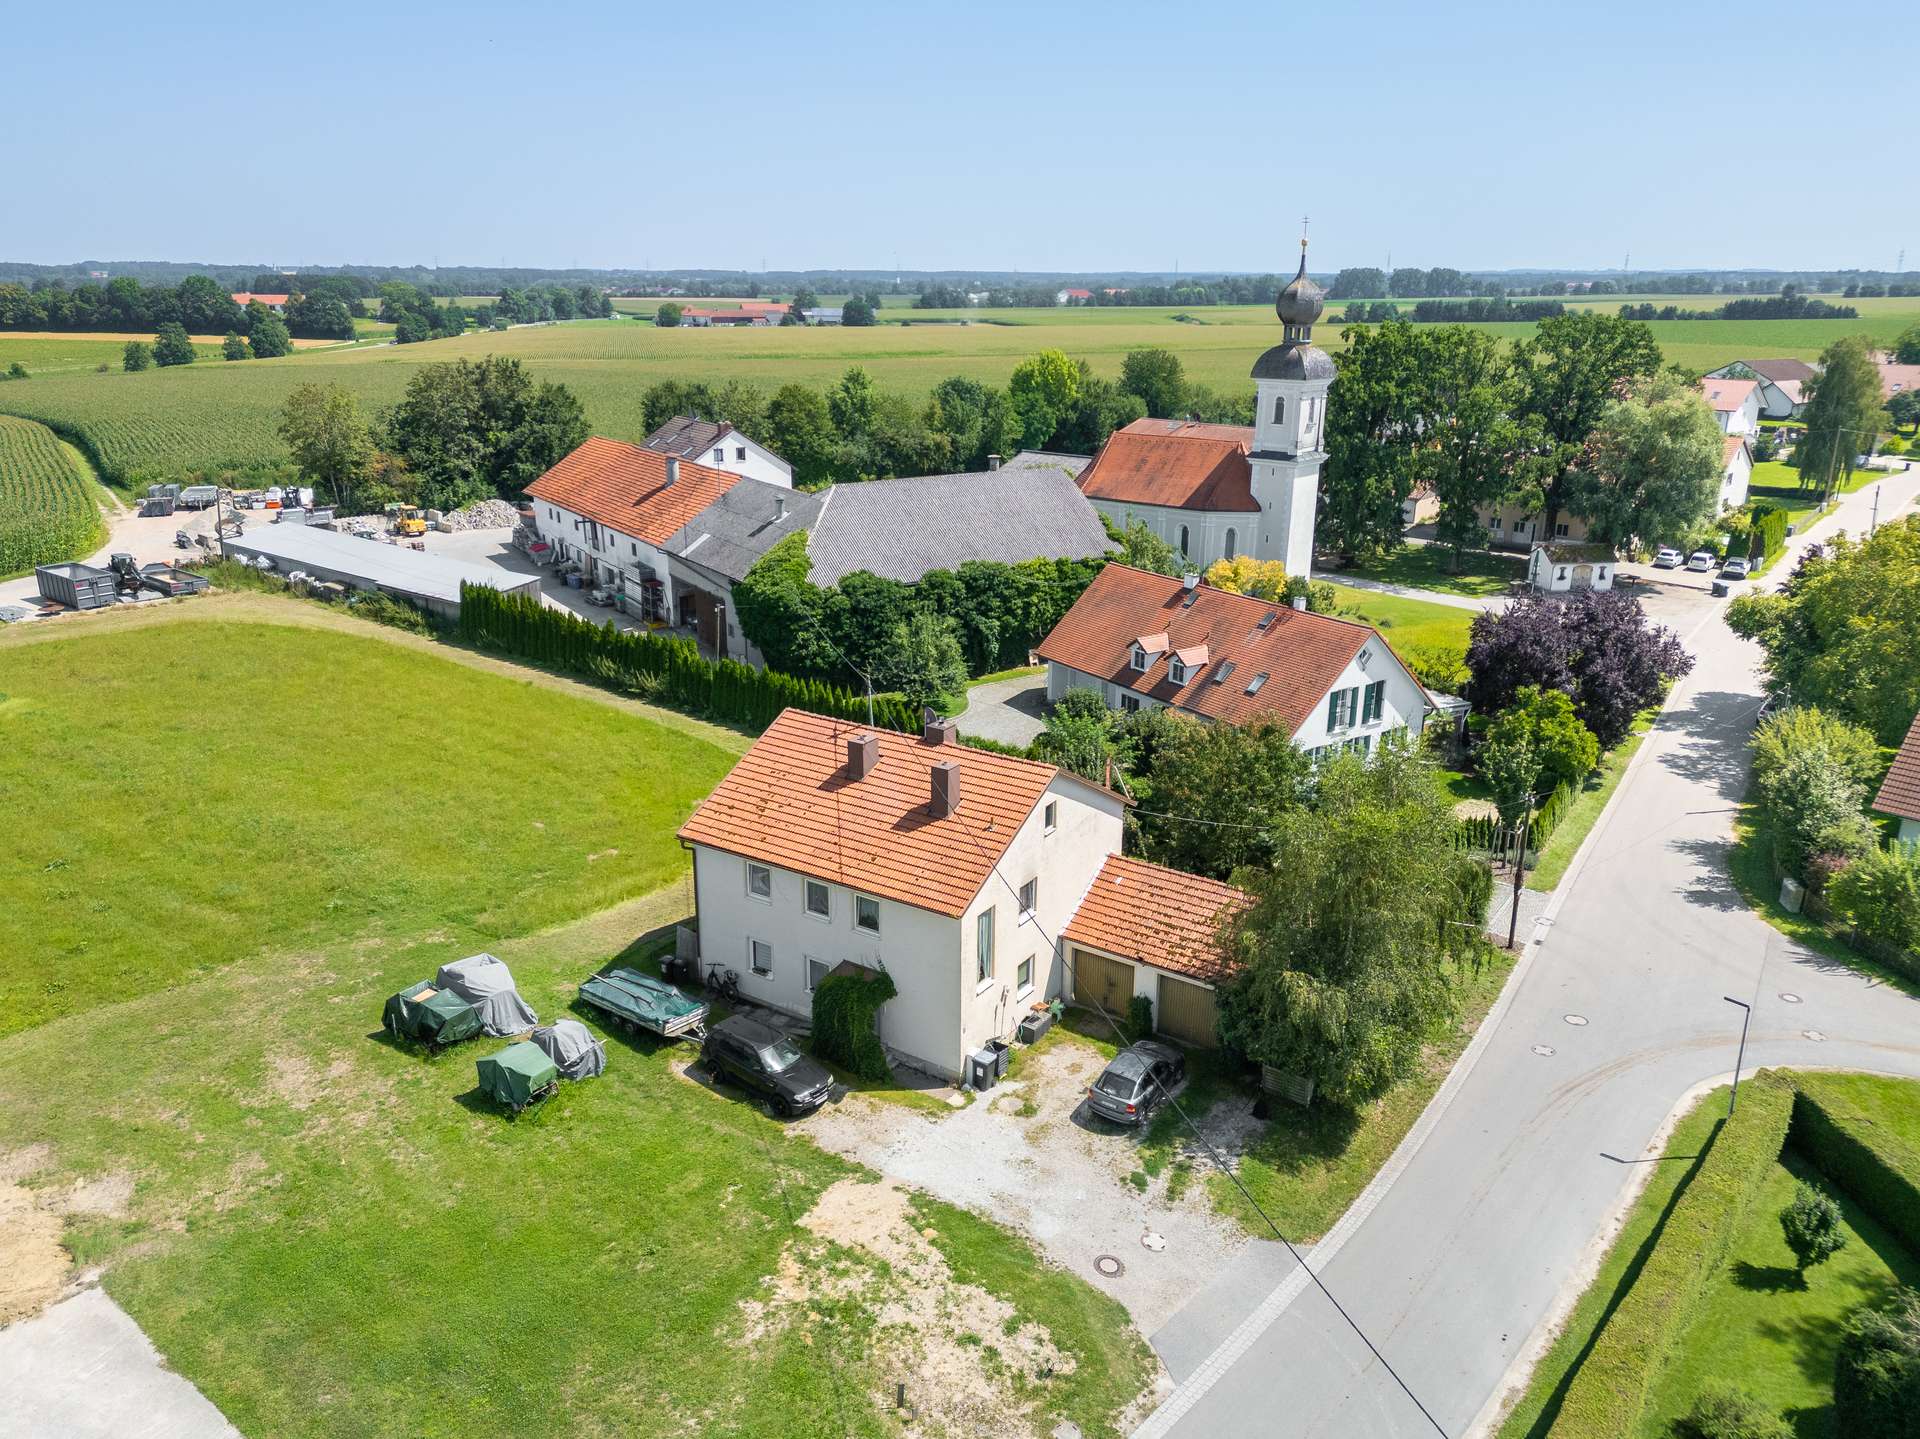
[
  {"x": 993, "y": 462},
  {"x": 1190, "y": 581},
  {"x": 673, "y": 469},
  {"x": 1300, "y": 603}
]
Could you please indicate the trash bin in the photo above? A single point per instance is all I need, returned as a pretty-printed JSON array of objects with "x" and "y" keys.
[
  {"x": 1720, "y": 589},
  {"x": 984, "y": 1069},
  {"x": 1001, "y": 1052}
]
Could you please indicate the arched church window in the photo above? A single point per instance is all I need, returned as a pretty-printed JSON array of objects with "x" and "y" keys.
[
  {"x": 1279, "y": 409},
  {"x": 1229, "y": 544},
  {"x": 1183, "y": 542}
]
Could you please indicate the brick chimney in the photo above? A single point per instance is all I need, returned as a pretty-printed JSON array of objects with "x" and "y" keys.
[
  {"x": 946, "y": 789},
  {"x": 863, "y": 753},
  {"x": 935, "y": 730}
]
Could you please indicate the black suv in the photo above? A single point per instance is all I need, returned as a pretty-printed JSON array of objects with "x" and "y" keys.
[{"x": 759, "y": 1058}]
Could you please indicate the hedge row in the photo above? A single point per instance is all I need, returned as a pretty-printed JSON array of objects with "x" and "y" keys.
[
  {"x": 1609, "y": 1390},
  {"x": 670, "y": 668},
  {"x": 1858, "y": 1154}
]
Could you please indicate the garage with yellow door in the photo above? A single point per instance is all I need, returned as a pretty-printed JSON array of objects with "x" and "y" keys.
[
  {"x": 1098, "y": 980},
  {"x": 1186, "y": 1012}
]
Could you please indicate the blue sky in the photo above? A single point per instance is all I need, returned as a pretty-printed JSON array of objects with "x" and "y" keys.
[{"x": 933, "y": 136}]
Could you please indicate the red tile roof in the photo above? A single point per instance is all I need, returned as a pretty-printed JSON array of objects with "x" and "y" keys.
[
  {"x": 1157, "y": 916},
  {"x": 1900, "y": 791},
  {"x": 1177, "y": 463},
  {"x": 1730, "y": 447},
  {"x": 1301, "y": 654},
  {"x": 1896, "y": 377},
  {"x": 1725, "y": 395},
  {"x": 241, "y": 297},
  {"x": 625, "y": 487},
  {"x": 790, "y": 802}
]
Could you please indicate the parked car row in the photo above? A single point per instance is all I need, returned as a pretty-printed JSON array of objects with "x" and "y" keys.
[{"x": 1702, "y": 562}]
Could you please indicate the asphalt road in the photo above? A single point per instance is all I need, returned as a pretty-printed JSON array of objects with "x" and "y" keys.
[{"x": 1459, "y": 1259}]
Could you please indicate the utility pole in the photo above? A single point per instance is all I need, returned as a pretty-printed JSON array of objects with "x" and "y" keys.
[
  {"x": 1874, "y": 523},
  {"x": 1746, "y": 1018},
  {"x": 1519, "y": 872}
]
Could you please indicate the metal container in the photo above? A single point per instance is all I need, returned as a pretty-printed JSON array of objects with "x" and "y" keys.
[{"x": 77, "y": 586}]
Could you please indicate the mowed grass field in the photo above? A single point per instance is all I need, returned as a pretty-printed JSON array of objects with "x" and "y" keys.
[
  {"x": 259, "y": 833},
  {"x": 49, "y": 505},
  {"x": 208, "y": 416}
]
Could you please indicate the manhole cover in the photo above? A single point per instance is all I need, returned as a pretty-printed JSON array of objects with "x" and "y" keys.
[
  {"x": 1574, "y": 1019},
  {"x": 1153, "y": 1241},
  {"x": 1543, "y": 1050},
  {"x": 1789, "y": 998},
  {"x": 1109, "y": 1266},
  {"x": 1066, "y": 1429},
  {"x": 1815, "y": 1035}
]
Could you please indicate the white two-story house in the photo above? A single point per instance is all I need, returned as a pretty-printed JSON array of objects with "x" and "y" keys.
[
  {"x": 719, "y": 446},
  {"x": 1139, "y": 639},
  {"x": 1735, "y": 404},
  {"x": 950, "y": 868}
]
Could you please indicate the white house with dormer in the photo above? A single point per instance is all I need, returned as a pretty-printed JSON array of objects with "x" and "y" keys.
[{"x": 1216, "y": 491}]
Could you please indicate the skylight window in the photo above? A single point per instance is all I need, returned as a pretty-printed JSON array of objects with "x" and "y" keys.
[
  {"x": 1253, "y": 685},
  {"x": 1221, "y": 674},
  {"x": 1267, "y": 619}
]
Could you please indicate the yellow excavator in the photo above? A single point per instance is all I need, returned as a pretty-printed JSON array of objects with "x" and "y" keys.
[{"x": 406, "y": 520}]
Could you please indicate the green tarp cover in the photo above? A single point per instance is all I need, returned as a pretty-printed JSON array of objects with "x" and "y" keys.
[
  {"x": 438, "y": 1016},
  {"x": 641, "y": 997},
  {"x": 516, "y": 1073}
]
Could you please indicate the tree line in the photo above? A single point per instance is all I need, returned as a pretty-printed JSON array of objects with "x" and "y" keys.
[
  {"x": 197, "y": 304},
  {"x": 1793, "y": 306}
]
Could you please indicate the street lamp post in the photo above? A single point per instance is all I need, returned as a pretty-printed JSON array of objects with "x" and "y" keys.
[
  {"x": 1519, "y": 872},
  {"x": 1746, "y": 1017}
]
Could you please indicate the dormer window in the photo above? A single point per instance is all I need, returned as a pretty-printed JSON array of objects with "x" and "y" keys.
[
  {"x": 1140, "y": 659},
  {"x": 1176, "y": 672}
]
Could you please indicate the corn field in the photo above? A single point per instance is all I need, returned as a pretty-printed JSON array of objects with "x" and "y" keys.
[{"x": 47, "y": 506}]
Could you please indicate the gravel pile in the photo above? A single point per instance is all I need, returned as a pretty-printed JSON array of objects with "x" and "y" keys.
[{"x": 484, "y": 515}]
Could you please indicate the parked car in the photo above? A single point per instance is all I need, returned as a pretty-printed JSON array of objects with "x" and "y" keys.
[
  {"x": 761, "y": 1059},
  {"x": 1701, "y": 561},
  {"x": 1668, "y": 559},
  {"x": 1736, "y": 568},
  {"x": 1135, "y": 1083}
]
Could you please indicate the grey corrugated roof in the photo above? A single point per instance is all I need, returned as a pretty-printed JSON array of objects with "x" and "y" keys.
[
  {"x": 1047, "y": 460},
  {"x": 1029, "y": 508},
  {"x": 742, "y": 525},
  {"x": 391, "y": 567}
]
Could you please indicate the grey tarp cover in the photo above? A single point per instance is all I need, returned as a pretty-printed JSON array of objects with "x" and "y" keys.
[
  {"x": 572, "y": 1048},
  {"x": 485, "y": 983}
]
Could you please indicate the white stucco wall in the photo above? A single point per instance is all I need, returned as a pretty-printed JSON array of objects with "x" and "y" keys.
[
  {"x": 1207, "y": 530},
  {"x": 1403, "y": 703},
  {"x": 1735, "y": 479},
  {"x": 942, "y": 1013},
  {"x": 738, "y": 455}
]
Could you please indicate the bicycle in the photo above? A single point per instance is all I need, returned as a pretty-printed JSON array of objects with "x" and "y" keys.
[{"x": 724, "y": 982}]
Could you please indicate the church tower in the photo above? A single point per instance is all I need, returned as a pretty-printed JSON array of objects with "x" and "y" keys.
[{"x": 1290, "y": 415}]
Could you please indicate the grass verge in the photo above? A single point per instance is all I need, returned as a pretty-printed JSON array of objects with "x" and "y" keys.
[
  {"x": 1585, "y": 811},
  {"x": 1483, "y": 574}
]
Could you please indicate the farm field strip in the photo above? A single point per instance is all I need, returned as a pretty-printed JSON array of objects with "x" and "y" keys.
[{"x": 48, "y": 505}]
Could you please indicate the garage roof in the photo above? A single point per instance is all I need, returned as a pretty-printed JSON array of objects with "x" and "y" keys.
[
  {"x": 1157, "y": 916},
  {"x": 391, "y": 567}
]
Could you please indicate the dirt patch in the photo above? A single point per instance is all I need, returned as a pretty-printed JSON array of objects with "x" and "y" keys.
[
  {"x": 108, "y": 1195},
  {"x": 961, "y": 1352},
  {"x": 33, "y": 1265}
]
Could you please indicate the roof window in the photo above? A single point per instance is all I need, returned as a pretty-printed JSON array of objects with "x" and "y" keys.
[
  {"x": 1253, "y": 685},
  {"x": 1221, "y": 674}
]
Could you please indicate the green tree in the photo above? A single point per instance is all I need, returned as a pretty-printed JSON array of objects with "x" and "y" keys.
[
  {"x": 859, "y": 310},
  {"x": 1474, "y": 452},
  {"x": 1906, "y": 349},
  {"x": 1904, "y": 409},
  {"x": 1082, "y": 735},
  {"x": 171, "y": 346},
  {"x": 412, "y": 328},
  {"x": 1569, "y": 374},
  {"x": 137, "y": 355},
  {"x": 1210, "y": 784},
  {"x": 665, "y": 399},
  {"x": 1811, "y": 1225},
  {"x": 1841, "y": 637},
  {"x": 1876, "y": 1373},
  {"x": 472, "y": 430},
  {"x": 1372, "y": 435},
  {"x": 1143, "y": 549},
  {"x": 1878, "y": 895},
  {"x": 1347, "y": 963},
  {"x": 1723, "y": 1412},
  {"x": 1099, "y": 408},
  {"x": 269, "y": 338},
  {"x": 976, "y": 419},
  {"x": 851, "y": 403},
  {"x": 802, "y": 301},
  {"x": 1796, "y": 727},
  {"x": 1842, "y": 414},
  {"x": 1511, "y": 768},
  {"x": 329, "y": 439},
  {"x": 1812, "y": 808},
  {"x": 1156, "y": 376},
  {"x": 923, "y": 661},
  {"x": 233, "y": 347},
  {"x": 800, "y": 431},
  {"x": 1043, "y": 389},
  {"x": 1655, "y": 466}
]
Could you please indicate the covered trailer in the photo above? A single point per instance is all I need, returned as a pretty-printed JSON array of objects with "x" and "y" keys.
[
  {"x": 487, "y": 984},
  {"x": 518, "y": 1075},
  {"x": 572, "y": 1048},
  {"x": 632, "y": 1000},
  {"x": 433, "y": 1016}
]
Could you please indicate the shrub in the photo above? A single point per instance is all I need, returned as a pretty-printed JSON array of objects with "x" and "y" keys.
[
  {"x": 1608, "y": 1392},
  {"x": 1811, "y": 1225},
  {"x": 1812, "y": 807},
  {"x": 1876, "y": 1374},
  {"x": 1879, "y": 896},
  {"x": 1724, "y": 1412},
  {"x": 1801, "y": 727},
  {"x": 138, "y": 355},
  {"x": 1140, "y": 1016},
  {"x": 1564, "y": 748},
  {"x": 844, "y": 1007},
  {"x": 386, "y": 610},
  {"x": 16, "y": 371},
  {"x": 1894, "y": 445}
]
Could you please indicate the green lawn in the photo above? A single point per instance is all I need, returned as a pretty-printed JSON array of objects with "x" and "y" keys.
[
  {"x": 1429, "y": 567},
  {"x": 1408, "y": 625},
  {"x": 1575, "y": 824},
  {"x": 332, "y": 1235},
  {"x": 1755, "y": 1325}
]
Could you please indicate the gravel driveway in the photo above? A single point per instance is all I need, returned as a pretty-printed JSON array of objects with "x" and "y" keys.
[
  {"x": 1009, "y": 711},
  {"x": 1056, "y": 1175}
]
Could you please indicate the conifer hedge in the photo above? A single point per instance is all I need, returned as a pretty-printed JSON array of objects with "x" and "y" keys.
[{"x": 672, "y": 667}]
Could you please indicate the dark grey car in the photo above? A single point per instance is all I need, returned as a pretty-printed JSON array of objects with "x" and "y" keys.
[{"x": 1140, "y": 1077}]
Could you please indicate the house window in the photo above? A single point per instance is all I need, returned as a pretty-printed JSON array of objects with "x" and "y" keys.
[
  {"x": 1560, "y": 529},
  {"x": 983, "y": 945},
  {"x": 816, "y": 971},
  {"x": 760, "y": 956},
  {"x": 1279, "y": 409},
  {"x": 1183, "y": 542},
  {"x": 866, "y": 913},
  {"x": 1493, "y": 522},
  {"x": 1230, "y": 543},
  {"x": 1129, "y": 703},
  {"x": 1029, "y": 896},
  {"x": 1176, "y": 672},
  {"x": 1374, "y": 702},
  {"x": 739, "y": 452},
  {"x": 759, "y": 882},
  {"x": 1519, "y": 525},
  {"x": 819, "y": 900},
  {"x": 1140, "y": 660},
  {"x": 1050, "y": 816},
  {"x": 719, "y": 454},
  {"x": 1340, "y": 708},
  {"x": 1024, "y": 975}
]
